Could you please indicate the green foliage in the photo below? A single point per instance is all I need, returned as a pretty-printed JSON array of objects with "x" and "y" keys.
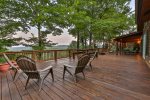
[
  {"x": 72, "y": 45},
  {"x": 90, "y": 21},
  {"x": 2, "y": 60},
  {"x": 47, "y": 16},
  {"x": 100, "y": 20},
  {"x": 8, "y": 26}
]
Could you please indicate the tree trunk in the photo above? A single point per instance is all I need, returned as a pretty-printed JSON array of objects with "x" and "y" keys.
[
  {"x": 109, "y": 45},
  {"x": 40, "y": 40},
  {"x": 90, "y": 39},
  {"x": 85, "y": 44},
  {"x": 94, "y": 43},
  {"x": 82, "y": 42},
  {"x": 78, "y": 36},
  {"x": 103, "y": 42},
  {"x": 39, "y": 35}
]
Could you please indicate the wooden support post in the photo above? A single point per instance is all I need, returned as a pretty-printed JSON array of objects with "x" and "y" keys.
[
  {"x": 120, "y": 48},
  {"x": 124, "y": 46},
  {"x": 33, "y": 55},
  {"x": 117, "y": 48},
  {"x": 55, "y": 55},
  {"x": 69, "y": 54},
  {"x": 73, "y": 55}
]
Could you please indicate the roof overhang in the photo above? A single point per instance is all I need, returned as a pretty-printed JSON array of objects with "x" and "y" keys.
[{"x": 132, "y": 37}]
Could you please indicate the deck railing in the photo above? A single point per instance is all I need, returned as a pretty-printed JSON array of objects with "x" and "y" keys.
[{"x": 46, "y": 54}]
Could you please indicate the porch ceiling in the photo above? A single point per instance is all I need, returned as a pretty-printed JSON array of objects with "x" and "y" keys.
[{"x": 132, "y": 37}]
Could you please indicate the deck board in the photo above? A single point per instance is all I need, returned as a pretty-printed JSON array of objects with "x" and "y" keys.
[
  {"x": 112, "y": 78},
  {"x": 15, "y": 95},
  {"x": 0, "y": 86},
  {"x": 19, "y": 85},
  {"x": 5, "y": 88}
]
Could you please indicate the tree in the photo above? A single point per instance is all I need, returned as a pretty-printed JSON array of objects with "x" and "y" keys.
[
  {"x": 45, "y": 15},
  {"x": 8, "y": 27},
  {"x": 90, "y": 20},
  {"x": 78, "y": 20},
  {"x": 87, "y": 20},
  {"x": 72, "y": 45}
]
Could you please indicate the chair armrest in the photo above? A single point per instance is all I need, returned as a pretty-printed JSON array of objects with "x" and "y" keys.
[
  {"x": 70, "y": 66},
  {"x": 45, "y": 69}
]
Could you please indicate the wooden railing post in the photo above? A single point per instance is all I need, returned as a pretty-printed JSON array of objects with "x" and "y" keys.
[
  {"x": 45, "y": 54},
  {"x": 73, "y": 55},
  {"x": 33, "y": 55},
  {"x": 69, "y": 54},
  {"x": 55, "y": 55}
]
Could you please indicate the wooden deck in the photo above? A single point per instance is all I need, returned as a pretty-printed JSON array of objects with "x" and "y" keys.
[{"x": 113, "y": 78}]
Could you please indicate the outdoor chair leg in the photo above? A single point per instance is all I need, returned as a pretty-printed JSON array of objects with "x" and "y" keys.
[
  {"x": 91, "y": 66},
  {"x": 15, "y": 74},
  {"x": 51, "y": 70},
  {"x": 75, "y": 78},
  {"x": 64, "y": 72},
  {"x": 16, "y": 77},
  {"x": 27, "y": 82},
  {"x": 41, "y": 83},
  {"x": 47, "y": 74},
  {"x": 38, "y": 81},
  {"x": 83, "y": 75}
]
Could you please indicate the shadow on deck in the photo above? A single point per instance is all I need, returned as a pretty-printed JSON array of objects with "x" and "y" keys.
[{"x": 112, "y": 78}]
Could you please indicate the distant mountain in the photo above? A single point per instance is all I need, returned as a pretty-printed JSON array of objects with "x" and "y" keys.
[
  {"x": 58, "y": 47},
  {"x": 19, "y": 48}
]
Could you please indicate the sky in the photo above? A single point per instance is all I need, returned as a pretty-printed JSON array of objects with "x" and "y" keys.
[
  {"x": 65, "y": 38},
  {"x": 132, "y": 5}
]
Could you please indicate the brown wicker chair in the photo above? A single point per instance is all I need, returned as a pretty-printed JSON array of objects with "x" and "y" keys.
[
  {"x": 79, "y": 68},
  {"x": 28, "y": 66},
  {"x": 16, "y": 69}
]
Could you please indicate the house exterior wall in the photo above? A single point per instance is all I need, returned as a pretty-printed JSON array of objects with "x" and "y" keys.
[{"x": 146, "y": 31}]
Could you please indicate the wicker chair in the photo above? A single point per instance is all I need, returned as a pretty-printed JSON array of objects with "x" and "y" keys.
[
  {"x": 79, "y": 68},
  {"x": 16, "y": 69},
  {"x": 28, "y": 66}
]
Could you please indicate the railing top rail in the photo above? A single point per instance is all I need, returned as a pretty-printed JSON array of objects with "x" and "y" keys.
[{"x": 32, "y": 51}]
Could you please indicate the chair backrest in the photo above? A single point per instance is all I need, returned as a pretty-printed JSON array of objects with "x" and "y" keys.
[
  {"x": 80, "y": 55},
  {"x": 28, "y": 66},
  {"x": 8, "y": 61},
  {"x": 82, "y": 62},
  {"x": 94, "y": 55}
]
